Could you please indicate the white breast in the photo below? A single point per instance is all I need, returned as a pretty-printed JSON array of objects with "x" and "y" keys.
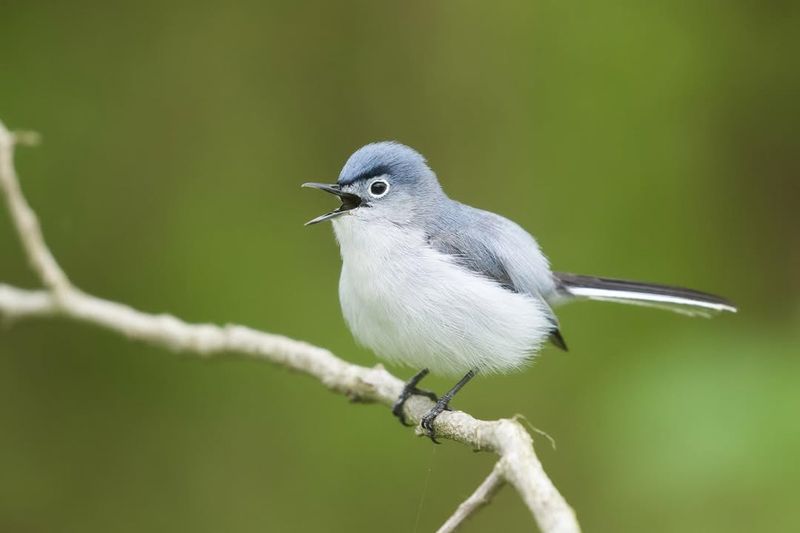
[{"x": 414, "y": 305}]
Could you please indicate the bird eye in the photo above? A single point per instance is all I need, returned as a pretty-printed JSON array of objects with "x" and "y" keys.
[{"x": 378, "y": 188}]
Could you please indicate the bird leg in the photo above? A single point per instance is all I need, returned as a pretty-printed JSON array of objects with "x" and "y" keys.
[
  {"x": 443, "y": 404},
  {"x": 410, "y": 389}
]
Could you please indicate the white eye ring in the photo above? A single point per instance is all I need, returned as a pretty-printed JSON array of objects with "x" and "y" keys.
[{"x": 380, "y": 193}]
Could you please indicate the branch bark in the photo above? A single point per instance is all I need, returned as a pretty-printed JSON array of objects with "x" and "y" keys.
[
  {"x": 517, "y": 464},
  {"x": 480, "y": 498}
]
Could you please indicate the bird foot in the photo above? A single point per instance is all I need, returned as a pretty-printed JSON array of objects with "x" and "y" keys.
[
  {"x": 410, "y": 389},
  {"x": 427, "y": 420}
]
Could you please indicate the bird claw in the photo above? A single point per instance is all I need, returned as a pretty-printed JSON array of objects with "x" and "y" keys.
[
  {"x": 410, "y": 389},
  {"x": 442, "y": 404},
  {"x": 427, "y": 421},
  {"x": 397, "y": 410}
]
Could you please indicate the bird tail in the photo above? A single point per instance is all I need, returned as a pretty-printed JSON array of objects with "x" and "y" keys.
[{"x": 680, "y": 300}]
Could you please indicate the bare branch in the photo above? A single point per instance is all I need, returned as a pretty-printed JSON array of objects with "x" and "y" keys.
[
  {"x": 25, "y": 221},
  {"x": 480, "y": 498},
  {"x": 518, "y": 464}
]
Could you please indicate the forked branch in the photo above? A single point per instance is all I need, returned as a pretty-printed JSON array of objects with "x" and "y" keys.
[{"x": 517, "y": 465}]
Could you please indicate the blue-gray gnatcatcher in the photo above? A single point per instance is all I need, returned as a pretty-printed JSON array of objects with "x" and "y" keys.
[{"x": 435, "y": 284}]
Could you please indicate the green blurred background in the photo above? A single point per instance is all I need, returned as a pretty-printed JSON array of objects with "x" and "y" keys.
[{"x": 650, "y": 140}]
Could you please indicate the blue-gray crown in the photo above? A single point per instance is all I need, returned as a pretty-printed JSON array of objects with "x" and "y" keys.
[{"x": 403, "y": 164}]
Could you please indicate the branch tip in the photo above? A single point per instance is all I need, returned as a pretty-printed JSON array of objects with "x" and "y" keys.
[{"x": 26, "y": 138}]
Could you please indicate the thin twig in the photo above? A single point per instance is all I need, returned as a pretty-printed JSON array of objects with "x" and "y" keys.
[
  {"x": 25, "y": 220},
  {"x": 480, "y": 498},
  {"x": 518, "y": 464}
]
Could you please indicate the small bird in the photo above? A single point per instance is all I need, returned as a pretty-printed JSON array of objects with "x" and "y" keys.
[{"x": 438, "y": 285}]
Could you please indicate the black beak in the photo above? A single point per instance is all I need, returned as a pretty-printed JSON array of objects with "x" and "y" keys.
[{"x": 349, "y": 201}]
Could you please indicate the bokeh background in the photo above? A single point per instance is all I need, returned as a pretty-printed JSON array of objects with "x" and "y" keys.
[{"x": 650, "y": 140}]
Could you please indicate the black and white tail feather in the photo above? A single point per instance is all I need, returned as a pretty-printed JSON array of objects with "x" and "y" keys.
[{"x": 677, "y": 299}]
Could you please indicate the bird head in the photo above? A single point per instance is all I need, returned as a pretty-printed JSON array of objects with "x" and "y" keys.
[{"x": 385, "y": 181}]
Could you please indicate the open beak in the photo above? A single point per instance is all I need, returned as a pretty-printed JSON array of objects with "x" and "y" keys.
[{"x": 349, "y": 201}]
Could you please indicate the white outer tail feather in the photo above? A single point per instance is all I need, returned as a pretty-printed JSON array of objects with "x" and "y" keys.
[
  {"x": 677, "y": 304},
  {"x": 677, "y": 299}
]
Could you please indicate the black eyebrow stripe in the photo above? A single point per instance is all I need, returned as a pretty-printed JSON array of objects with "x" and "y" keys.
[{"x": 379, "y": 170}]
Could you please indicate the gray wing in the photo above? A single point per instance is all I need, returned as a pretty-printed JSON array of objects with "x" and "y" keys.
[{"x": 498, "y": 249}]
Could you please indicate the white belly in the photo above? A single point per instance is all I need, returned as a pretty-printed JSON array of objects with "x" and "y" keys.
[{"x": 411, "y": 304}]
